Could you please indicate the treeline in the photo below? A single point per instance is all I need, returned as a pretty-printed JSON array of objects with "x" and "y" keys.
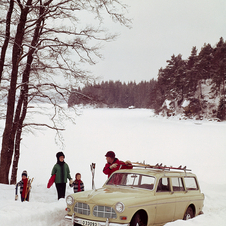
[
  {"x": 180, "y": 80},
  {"x": 116, "y": 94}
]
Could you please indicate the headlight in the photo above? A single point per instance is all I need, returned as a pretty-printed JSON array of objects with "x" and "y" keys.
[
  {"x": 119, "y": 207},
  {"x": 70, "y": 200}
]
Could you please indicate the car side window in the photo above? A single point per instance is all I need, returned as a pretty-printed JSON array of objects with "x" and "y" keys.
[
  {"x": 177, "y": 184},
  {"x": 146, "y": 182},
  {"x": 132, "y": 180},
  {"x": 190, "y": 183},
  {"x": 163, "y": 185}
]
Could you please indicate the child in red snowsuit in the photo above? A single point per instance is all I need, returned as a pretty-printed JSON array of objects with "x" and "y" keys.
[{"x": 23, "y": 187}]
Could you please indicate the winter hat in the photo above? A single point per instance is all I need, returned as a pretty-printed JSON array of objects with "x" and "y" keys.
[
  {"x": 110, "y": 154},
  {"x": 24, "y": 173},
  {"x": 77, "y": 174},
  {"x": 60, "y": 154}
]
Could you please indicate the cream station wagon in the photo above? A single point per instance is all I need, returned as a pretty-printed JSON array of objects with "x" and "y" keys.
[{"x": 138, "y": 196}]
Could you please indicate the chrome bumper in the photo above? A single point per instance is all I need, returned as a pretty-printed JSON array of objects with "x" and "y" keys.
[{"x": 75, "y": 220}]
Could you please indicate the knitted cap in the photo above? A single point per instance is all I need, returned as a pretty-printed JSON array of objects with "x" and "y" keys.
[
  {"x": 24, "y": 173},
  {"x": 77, "y": 174},
  {"x": 110, "y": 154},
  {"x": 60, "y": 154}
]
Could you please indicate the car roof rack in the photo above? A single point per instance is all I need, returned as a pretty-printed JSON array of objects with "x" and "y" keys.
[{"x": 159, "y": 166}]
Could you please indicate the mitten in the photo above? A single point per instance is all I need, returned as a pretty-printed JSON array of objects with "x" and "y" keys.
[
  {"x": 113, "y": 166},
  {"x": 71, "y": 181},
  {"x": 128, "y": 162}
]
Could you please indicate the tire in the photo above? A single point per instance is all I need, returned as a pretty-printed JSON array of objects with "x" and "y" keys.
[
  {"x": 137, "y": 220},
  {"x": 188, "y": 214}
]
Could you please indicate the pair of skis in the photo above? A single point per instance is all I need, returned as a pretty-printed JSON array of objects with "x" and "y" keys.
[
  {"x": 28, "y": 188},
  {"x": 92, "y": 167},
  {"x": 159, "y": 166}
]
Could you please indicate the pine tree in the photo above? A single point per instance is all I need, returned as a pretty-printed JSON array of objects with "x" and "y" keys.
[{"x": 219, "y": 75}]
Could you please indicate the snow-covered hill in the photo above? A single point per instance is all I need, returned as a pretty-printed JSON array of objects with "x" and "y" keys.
[
  {"x": 204, "y": 104},
  {"x": 134, "y": 134}
]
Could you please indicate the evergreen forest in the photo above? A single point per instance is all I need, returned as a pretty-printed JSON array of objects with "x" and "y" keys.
[{"x": 200, "y": 80}]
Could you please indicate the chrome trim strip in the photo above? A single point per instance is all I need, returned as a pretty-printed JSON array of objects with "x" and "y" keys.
[
  {"x": 160, "y": 203},
  {"x": 142, "y": 205}
]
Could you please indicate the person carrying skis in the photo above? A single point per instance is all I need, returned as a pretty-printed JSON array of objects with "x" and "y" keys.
[
  {"x": 77, "y": 185},
  {"x": 114, "y": 164},
  {"x": 23, "y": 187},
  {"x": 62, "y": 171}
]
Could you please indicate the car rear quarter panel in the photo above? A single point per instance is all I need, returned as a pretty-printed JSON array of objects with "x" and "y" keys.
[{"x": 185, "y": 199}]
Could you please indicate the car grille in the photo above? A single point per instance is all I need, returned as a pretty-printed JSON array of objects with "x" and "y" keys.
[
  {"x": 82, "y": 208},
  {"x": 104, "y": 211}
]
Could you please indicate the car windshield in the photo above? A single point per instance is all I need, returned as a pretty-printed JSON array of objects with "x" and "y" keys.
[{"x": 132, "y": 180}]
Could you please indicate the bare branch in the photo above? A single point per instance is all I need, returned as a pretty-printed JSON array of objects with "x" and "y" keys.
[{"x": 43, "y": 125}]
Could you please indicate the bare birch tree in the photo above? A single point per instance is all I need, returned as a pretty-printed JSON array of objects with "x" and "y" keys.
[{"x": 43, "y": 47}]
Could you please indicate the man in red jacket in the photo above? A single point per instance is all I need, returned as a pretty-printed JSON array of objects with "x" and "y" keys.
[{"x": 114, "y": 164}]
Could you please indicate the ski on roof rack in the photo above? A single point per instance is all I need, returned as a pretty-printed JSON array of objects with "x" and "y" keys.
[{"x": 159, "y": 166}]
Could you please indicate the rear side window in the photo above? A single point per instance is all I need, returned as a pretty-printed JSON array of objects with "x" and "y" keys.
[
  {"x": 163, "y": 185},
  {"x": 177, "y": 184},
  {"x": 190, "y": 183}
]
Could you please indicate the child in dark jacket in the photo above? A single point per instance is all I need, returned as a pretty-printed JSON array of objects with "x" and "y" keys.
[
  {"x": 23, "y": 187},
  {"x": 62, "y": 172},
  {"x": 77, "y": 184}
]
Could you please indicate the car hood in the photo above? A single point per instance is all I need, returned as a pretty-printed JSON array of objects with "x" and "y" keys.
[{"x": 110, "y": 195}]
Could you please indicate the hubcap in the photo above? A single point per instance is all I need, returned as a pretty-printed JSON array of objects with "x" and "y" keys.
[{"x": 188, "y": 216}]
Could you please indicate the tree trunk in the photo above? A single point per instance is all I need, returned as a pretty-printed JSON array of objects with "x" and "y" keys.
[
  {"x": 24, "y": 98},
  {"x": 200, "y": 95},
  {"x": 8, "y": 139},
  {"x": 16, "y": 156},
  {"x": 7, "y": 35}
]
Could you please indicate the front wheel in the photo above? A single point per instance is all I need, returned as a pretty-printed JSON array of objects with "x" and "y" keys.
[
  {"x": 139, "y": 219},
  {"x": 136, "y": 221},
  {"x": 188, "y": 214}
]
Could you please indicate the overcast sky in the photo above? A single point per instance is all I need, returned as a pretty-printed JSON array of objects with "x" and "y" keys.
[{"x": 160, "y": 29}]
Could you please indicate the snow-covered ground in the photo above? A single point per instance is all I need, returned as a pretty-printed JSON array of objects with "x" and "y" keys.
[{"x": 135, "y": 135}]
